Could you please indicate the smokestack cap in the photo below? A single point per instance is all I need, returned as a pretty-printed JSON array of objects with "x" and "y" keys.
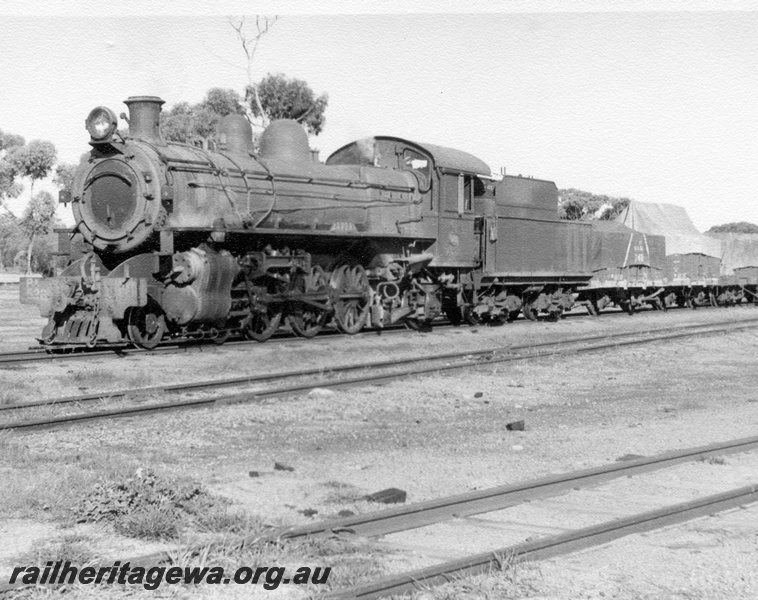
[{"x": 145, "y": 117}]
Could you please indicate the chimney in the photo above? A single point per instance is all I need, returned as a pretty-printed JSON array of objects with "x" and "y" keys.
[{"x": 145, "y": 117}]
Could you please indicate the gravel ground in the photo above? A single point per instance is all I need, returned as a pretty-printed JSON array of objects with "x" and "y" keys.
[{"x": 432, "y": 436}]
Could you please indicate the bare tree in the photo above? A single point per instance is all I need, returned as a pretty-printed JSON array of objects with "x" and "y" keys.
[{"x": 250, "y": 42}]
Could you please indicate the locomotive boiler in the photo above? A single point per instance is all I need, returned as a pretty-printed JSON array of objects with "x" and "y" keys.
[{"x": 175, "y": 241}]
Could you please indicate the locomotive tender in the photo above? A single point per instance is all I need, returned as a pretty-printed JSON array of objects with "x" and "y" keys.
[{"x": 184, "y": 242}]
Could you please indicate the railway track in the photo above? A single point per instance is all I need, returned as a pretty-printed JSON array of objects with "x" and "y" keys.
[
  {"x": 75, "y": 353},
  {"x": 461, "y": 508},
  {"x": 41, "y": 354},
  {"x": 373, "y": 373},
  {"x": 549, "y": 547}
]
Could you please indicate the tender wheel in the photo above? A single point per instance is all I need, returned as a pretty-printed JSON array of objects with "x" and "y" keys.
[
  {"x": 470, "y": 316},
  {"x": 352, "y": 297},
  {"x": 307, "y": 320},
  {"x": 145, "y": 326},
  {"x": 261, "y": 325}
]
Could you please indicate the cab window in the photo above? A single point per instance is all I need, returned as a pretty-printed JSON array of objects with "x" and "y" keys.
[
  {"x": 465, "y": 194},
  {"x": 419, "y": 164}
]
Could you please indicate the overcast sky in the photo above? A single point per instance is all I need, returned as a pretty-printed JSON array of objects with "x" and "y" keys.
[{"x": 659, "y": 106}]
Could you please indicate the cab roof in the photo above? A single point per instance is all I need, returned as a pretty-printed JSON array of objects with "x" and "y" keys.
[{"x": 444, "y": 158}]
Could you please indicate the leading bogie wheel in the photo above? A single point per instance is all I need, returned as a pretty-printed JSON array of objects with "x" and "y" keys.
[
  {"x": 145, "y": 326},
  {"x": 352, "y": 298}
]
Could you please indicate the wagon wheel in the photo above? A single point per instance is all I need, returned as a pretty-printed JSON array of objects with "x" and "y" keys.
[
  {"x": 470, "y": 316},
  {"x": 307, "y": 320},
  {"x": 145, "y": 326},
  {"x": 352, "y": 298},
  {"x": 262, "y": 324},
  {"x": 529, "y": 311}
]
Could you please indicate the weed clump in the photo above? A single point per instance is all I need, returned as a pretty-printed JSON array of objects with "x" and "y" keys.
[{"x": 147, "y": 505}]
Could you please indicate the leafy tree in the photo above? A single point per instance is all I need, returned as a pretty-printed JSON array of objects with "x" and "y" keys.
[
  {"x": 282, "y": 97},
  {"x": 35, "y": 160},
  {"x": 64, "y": 176},
  {"x": 10, "y": 140},
  {"x": 223, "y": 102},
  {"x": 38, "y": 220},
  {"x": 740, "y": 227},
  {"x": 575, "y": 205},
  {"x": 12, "y": 239},
  {"x": 9, "y": 187},
  {"x": 198, "y": 124}
]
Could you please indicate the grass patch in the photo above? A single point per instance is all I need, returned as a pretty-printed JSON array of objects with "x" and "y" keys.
[
  {"x": 146, "y": 505},
  {"x": 12, "y": 449},
  {"x": 92, "y": 375},
  {"x": 10, "y": 397},
  {"x": 72, "y": 547}
]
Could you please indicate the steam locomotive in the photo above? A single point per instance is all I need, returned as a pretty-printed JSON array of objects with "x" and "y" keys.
[{"x": 173, "y": 241}]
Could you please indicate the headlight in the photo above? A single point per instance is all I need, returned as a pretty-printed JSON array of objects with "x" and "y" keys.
[{"x": 101, "y": 123}]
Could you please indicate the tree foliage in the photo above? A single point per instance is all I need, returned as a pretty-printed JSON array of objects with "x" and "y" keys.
[
  {"x": 9, "y": 187},
  {"x": 14, "y": 247},
  {"x": 64, "y": 176},
  {"x": 37, "y": 221},
  {"x": 34, "y": 160},
  {"x": 197, "y": 124},
  {"x": 739, "y": 227},
  {"x": 575, "y": 205},
  {"x": 283, "y": 97},
  {"x": 29, "y": 241}
]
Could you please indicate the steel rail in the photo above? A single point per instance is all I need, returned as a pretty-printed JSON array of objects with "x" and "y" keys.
[
  {"x": 172, "y": 346},
  {"x": 184, "y": 345},
  {"x": 497, "y": 498},
  {"x": 248, "y": 379},
  {"x": 290, "y": 390},
  {"x": 421, "y": 514},
  {"x": 433, "y": 511},
  {"x": 549, "y": 547}
]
